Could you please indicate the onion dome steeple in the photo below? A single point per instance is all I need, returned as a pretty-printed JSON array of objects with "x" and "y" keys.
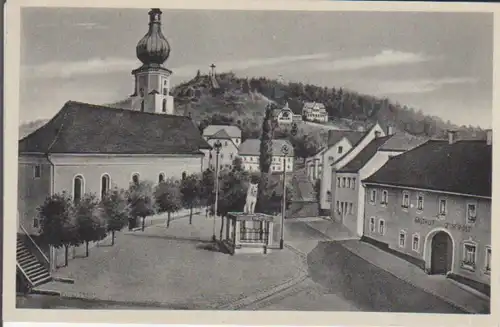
[{"x": 153, "y": 48}]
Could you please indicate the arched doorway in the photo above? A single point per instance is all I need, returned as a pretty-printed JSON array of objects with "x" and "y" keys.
[{"x": 441, "y": 253}]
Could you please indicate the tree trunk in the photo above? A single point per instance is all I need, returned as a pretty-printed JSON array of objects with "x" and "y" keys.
[
  {"x": 190, "y": 214},
  {"x": 168, "y": 220},
  {"x": 112, "y": 237},
  {"x": 221, "y": 226},
  {"x": 143, "y": 222},
  {"x": 66, "y": 255},
  {"x": 86, "y": 249}
]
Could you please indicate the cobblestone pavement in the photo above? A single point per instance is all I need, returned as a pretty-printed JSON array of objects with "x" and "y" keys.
[{"x": 174, "y": 267}]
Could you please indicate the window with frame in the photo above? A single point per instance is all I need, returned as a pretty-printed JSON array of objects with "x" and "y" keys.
[
  {"x": 381, "y": 226},
  {"x": 471, "y": 212},
  {"x": 328, "y": 196},
  {"x": 402, "y": 239},
  {"x": 406, "y": 200},
  {"x": 161, "y": 178},
  {"x": 487, "y": 260},
  {"x": 351, "y": 208},
  {"x": 442, "y": 207},
  {"x": 36, "y": 222},
  {"x": 340, "y": 149},
  {"x": 135, "y": 179},
  {"x": 420, "y": 202},
  {"x": 469, "y": 256},
  {"x": 225, "y": 143},
  {"x": 372, "y": 224},
  {"x": 37, "y": 171},
  {"x": 343, "y": 181},
  {"x": 385, "y": 197},
  {"x": 354, "y": 183},
  {"x": 415, "y": 246},
  {"x": 78, "y": 188},
  {"x": 348, "y": 182},
  {"x": 373, "y": 196},
  {"x": 338, "y": 206},
  {"x": 105, "y": 185},
  {"x": 338, "y": 181}
]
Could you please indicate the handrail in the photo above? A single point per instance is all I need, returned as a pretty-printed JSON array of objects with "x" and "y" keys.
[
  {"x": 24, "y": 273},
  {"x": 34, "y": 243}
]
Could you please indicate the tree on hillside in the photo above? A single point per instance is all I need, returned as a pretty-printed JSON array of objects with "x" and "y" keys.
[
  {"x": 115, "y": 210},
  {"x": 58, "y": 226},
  {"x": 305, "y": 146},
  {"x": 141, "y": 201},
  {"x": 90, "y": 222},
  {"x": 265, "y": 151},
  {"x": 168, "y": 198},
  {"x": 190, "y": 189}
]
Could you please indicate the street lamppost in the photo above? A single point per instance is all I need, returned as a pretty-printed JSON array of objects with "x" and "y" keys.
[
  {"x": 217, "y": 147},
  {"x": 284, "y": 150}
]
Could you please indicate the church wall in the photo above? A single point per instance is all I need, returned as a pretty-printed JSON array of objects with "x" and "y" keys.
[{"x": 120, "y": 171}]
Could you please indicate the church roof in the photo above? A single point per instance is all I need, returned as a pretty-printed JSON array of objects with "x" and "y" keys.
[{"x": 93, "y": 129}]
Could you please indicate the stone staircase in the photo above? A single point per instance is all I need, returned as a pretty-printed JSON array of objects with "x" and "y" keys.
[{"x": 34, "y": 271}]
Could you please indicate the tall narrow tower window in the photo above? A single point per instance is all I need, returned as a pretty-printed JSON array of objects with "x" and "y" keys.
[
  {"x": 165, "y": 91},
  {"x": 164, "y": 105},
  {"x": 142, "y": 105}
]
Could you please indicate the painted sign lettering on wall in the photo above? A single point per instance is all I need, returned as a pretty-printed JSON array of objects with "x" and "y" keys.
[{"x": 430, "y": 222}]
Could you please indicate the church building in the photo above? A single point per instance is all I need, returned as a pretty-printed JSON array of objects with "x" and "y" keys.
[{"x": 88, "y": 148}]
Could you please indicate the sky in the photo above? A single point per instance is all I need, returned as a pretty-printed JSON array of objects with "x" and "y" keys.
[{"x": 440, "y": 63}]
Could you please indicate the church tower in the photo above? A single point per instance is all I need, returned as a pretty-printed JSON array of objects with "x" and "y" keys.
[{"x": 152, "y": 79}]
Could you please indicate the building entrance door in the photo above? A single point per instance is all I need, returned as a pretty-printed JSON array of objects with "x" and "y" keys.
[{"x": 442, "y": 254}]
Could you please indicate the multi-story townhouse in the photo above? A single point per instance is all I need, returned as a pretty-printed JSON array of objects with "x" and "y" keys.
[
  {"x": 349, "y": 194},
  {"x": 432, "y": 206},
  {"x": 328, "y": 183},
  {"x": 249, "y": 153}
]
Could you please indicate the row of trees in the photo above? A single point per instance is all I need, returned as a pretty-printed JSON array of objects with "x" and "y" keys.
[{"x": 66, "y": 223}]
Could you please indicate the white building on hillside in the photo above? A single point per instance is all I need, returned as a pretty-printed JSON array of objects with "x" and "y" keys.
[{"x": 314, "y": 111}]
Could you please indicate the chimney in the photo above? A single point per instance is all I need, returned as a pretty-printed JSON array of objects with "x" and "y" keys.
[
  {"x": 451, "y": 136},
  {"x": 489, "y": 136},
  {"x": 377, "y": 134},
  {"x": 390, "y": 130}
]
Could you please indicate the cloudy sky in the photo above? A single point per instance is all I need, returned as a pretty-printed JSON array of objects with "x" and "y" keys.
[{"x": 440, "y": 63}]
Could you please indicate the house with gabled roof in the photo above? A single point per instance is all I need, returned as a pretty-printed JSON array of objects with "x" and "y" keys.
[
  {"x": 342, "y": 147},
  {"x": 249, "y": 153},
  {"x": 432, "y": 207},
  {"x": 348, "y": 193}
]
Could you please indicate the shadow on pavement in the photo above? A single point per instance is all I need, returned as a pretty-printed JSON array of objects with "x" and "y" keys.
[{"x": 345, "y": 274}]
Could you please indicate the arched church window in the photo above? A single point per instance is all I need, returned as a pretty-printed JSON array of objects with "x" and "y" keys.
[
  {"x": 135, "y": 179},
  {"x": 105, "y": 181},
  {"x": 183, "y": 175},
  {"x": 164, "y": 105},
  {"x": 142, "y": 105},
  {"x": 161, "y": 178},
  {"x": 78, "y": 188}
]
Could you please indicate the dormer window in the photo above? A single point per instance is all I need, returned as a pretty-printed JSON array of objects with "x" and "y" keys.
[{"x": 340, "y": 149}]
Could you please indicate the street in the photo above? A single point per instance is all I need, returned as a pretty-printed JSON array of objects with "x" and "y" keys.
[{"x": 338, "y": 280}]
